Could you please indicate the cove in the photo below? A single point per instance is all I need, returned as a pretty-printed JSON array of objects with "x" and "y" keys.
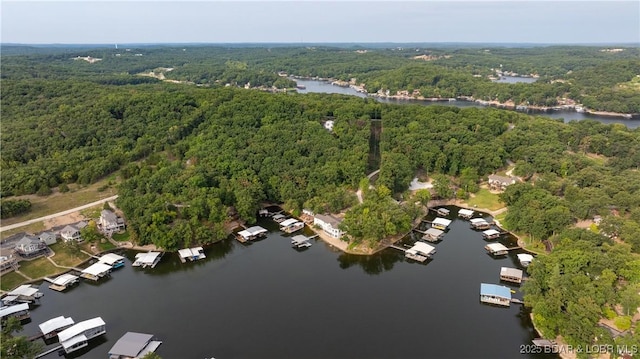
[{"x": 268, "y": 300}]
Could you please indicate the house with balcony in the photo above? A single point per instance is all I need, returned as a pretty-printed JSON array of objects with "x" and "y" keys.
[
  {"x": 29, "y": 246},
  {"x": 329, "y": 224}
]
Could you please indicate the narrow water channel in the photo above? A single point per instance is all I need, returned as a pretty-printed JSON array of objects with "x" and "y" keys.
[{"x": 268, "y": 300}]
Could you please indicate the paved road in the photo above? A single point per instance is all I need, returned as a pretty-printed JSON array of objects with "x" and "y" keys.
[{"x": 63, "y": 213}]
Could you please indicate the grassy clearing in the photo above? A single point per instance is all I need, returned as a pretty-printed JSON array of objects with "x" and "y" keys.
[
  {"x": 39, "y": 268},
  {"x": 485, "y": 199},
  {"x": 11, "y": 280},
  {"x": 66, "y": 255},
  {"x": 57, "y": 202},
  {"x": 99, "y": 245},
  {"x": 121, "y": 237}
]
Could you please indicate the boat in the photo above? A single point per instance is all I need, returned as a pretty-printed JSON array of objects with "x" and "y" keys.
[{"x": 301, "y": 87}]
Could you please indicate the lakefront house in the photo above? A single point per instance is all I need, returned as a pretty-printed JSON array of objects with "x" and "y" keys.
[{"x": 329, "y": 224}]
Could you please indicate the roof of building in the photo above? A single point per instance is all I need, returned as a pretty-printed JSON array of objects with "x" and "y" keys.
[
  {"x": 299, "y": 239},
  {"x": 79, "y": 328},
  {"x": 108, "y": 216},
  {"x": 46, "y": 235},
  {"x": 278, "y": 216},
  {"x": 465, "y": 212},
  {"x": 97, "y": 269},
  {"x": 55, "y": 324},
  {"x": 27, "y": 240},
  {"x": 511, "y": 272},
  {"x": 434, "y": 232},
  {"x": 190, "y": 252},
  {"x": 501, "y": 179},
  {"x": 477, "y": 220},
  {"x": 422, "y": 248},
  {"x": 147, "y": 258},
  {"x": 495, "y": 290},
  {"x": 288, "y": 222},
  {"x": 130, "y": 344},
  {"x": 443, "y": 221},
  {"x": 111, "y": 258},
  {"x": 4, "y": 311},
  {"x": 525, "y": 257},
  {"x": 24, "y": 290},
  {"x": 326, "y": 218},
  {"x": 444, "y": 210},
  {"x": 70, "y": 342},
  {"x": 64, "y": 279},
  {"x": 490, "y": 232},
  {"x": 496, "y": 247}
]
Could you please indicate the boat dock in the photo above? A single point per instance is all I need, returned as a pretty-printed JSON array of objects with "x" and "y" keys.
[
  {"x": 465, "y": 213},
  {"x": 299, "y": 241},
  {"x": 250, "y": 234},
  {"x": 63, "y": 282},
  {"x": 511, "y": 275}
]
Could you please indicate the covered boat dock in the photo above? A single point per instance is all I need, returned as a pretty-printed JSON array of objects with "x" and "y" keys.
[
  {"x": 441, "y": 223},
  {"x": 77, "y": 336},
  {"x": 62, "y": 282},
  {"x": 420, "y": 252},
  {"x": 133, "y": 346},
  {"x": 149, "y": 259},
  {"x": 511, "y": 275},
  {"x": 490, "y": 234},
  {"x": 465, "y": 213},
  {"x": 112, "y": 259},
  {"x": 23, "y": 294},
  {"x": 251, "y": 233},
  {"x": 433, "y": 235},
  {"x": 479, "y": 223},
  {"x": 496, "y": 249},
  {"x": 525, "y": 259},
  {"x": 19, "y": 311},
  {"x": 191, "y": 254},
  {"x": 495, "y": 294},
  {"x": 96, "y": 271},
  {"x": 300, "y": 241},
  {"x": 51, "y": 327},
  {"x": 291, "y": 225}
]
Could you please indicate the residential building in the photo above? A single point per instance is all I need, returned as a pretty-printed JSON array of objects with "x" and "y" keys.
[
  {"x": 501, "y": 182},
  {"x": 329, "y": 224},
  {"x": 48, "y": 238},
  {"x": 29, "y": 246},
  {"x": 70, "y": 233},
  {"x": 109, "y": 222}
]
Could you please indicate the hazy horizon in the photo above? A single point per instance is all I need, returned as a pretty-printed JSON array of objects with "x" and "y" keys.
[{"x": 320, "y": 22}]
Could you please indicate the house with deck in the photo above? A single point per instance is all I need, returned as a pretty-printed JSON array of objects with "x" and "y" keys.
[
  {"x": 52, "y": 327},
  {"x": 8, "y": 263},
  {"x": 78, "y": 335},
  {"x": 70, "y": 233},
  {"x": 133, "y": 346},
  {"x": 329, "y": 224},
  {"x": 109, "y": 222},
  {"x": 495, "y": 294},
  {"x": 31, "y": 247}
]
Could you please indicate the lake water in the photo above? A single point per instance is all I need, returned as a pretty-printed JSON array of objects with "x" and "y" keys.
[
  {"x": 566, "y": 115},
  {"x": 268, "y": 300}
]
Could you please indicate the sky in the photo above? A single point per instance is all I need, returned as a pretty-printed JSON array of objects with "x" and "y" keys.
[{"x": 363, "y": 21}]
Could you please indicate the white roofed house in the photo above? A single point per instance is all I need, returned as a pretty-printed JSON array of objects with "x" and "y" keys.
[
  {"x": 29, "y": 246},
  {"x": 109, "y": 222},
  {"x": 70, "y": 233},
  {"x": 329, "y": 224}
]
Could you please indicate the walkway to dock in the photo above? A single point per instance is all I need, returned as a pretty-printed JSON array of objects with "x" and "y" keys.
[
  {"x": 517, "y": 301},
  {"x": 398, "y": 248},
  {"x": 49, "y": 351}
]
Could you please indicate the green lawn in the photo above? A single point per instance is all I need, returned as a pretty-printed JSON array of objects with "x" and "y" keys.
[
  {"x": 11, "y": 280},
  {"x": 121, "y": 237},
  {"x": 66, "y": 255},
  {"x": 485, "y": 199},
  {"x": 39, "y": 268}
]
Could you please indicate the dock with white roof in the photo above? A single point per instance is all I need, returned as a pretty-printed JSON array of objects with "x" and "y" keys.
[
  {"x": 465, "y": 213},
  {"x": 149, "y": 259},
  {"x": 420, "y": 252},
  {"x": 62, "y": 282},
  {"x": 479, "y": 223},
  {"x": 513, "y": 275},
  {"x": 96, "y": 271},
  {"x": 432, "y": 235},
  {"x": 77, "y": 336},
  {"x": 441, "y": 223},
  {"x": 491, "y": 234},
  {"x": 291, "y": 225},
  {"x": 299, "y": 241},
  {"x": 191, "y": 254},
  {"x": 52, "y": 327},
  {"x": 112, "y": 259},
  {"x": 23, "y": 294},
  {"x": 251, "y": 234}
]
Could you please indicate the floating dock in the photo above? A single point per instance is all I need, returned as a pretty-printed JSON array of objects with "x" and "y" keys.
[
  {"x": 63, "y": 282},
  {"x": 495, "y": 294},
  {"x": 191, "y": 254},
  {"x": 251, "y": 234},
  {"x": 300, "y": 241},
  {"x": 441, "y": 223},
  {"x": 465, "y": 213},
  {"x": 511, "y": 275},
  {"x": 291, "y": 225},
  {"x": 149, "y": 259},
  {"x": 443, "y": 211},
  {"x": 96, "y": 271},
  {"x": 433, "y": 235},
  {"x": 112, "y": 259},
  {"x": 491, "y": 234},
  {"x": 134, "y": 345},
  {"x": 479, "y": 223},
  {"x": 52, "y": 327},
  {"x": 496, "y": 249},
  {"x": 525, "y": 259},
  {"x": 420, "y": 252}
]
